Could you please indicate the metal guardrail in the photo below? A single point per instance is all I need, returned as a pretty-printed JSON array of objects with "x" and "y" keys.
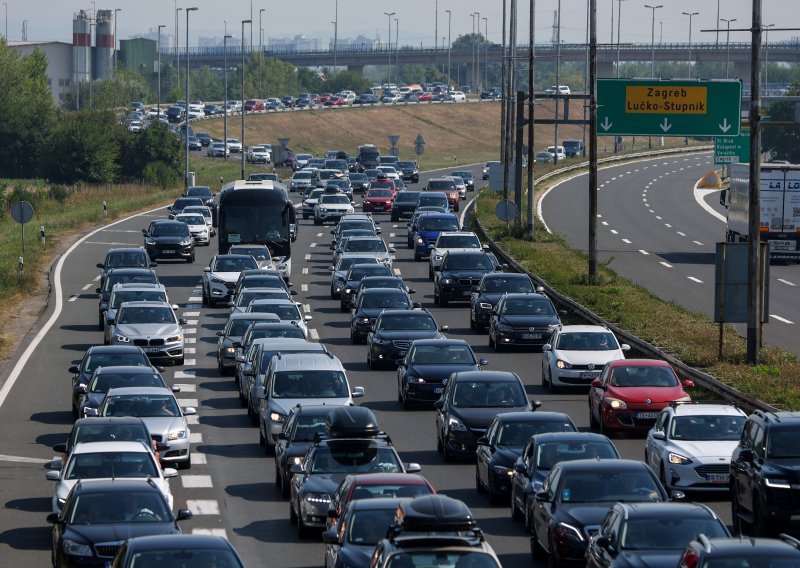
[{"x": 702, "y": 379}]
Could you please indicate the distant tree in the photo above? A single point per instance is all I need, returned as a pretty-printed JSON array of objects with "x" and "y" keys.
[
  {"x": 783, "y": 142},
  {"x": 346, "y": 80},
  {"x": 156, "y": 150},
  {"x": 467, "y": 41},
  {"x": 83, "y": 146}
]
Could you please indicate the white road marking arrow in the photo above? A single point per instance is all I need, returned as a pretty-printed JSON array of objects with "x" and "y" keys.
[
  {"x": 725, "y": 126},
  {"x": 605, "y": 125},
  {"x": 665, "y": 126}
]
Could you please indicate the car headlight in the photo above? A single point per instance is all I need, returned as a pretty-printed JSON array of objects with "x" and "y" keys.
[
  {"x": 456, "y": 424},
  {"x": 569, "y": 531},
  {"x": 500, "y": 470},
  {"x": 485, "y": 305},
  {"x": 230, "y": 350},
  {"x": 186, "y": 242},
  {"x": 414, "y": 378},
  {"x": 439, "y": 257},
  {"x": 204, "y": 231},
  {"x": 552, "y": 327},
  {"x": 420, "y": 241},
  {"x": 174, "y": 338},
  {"x": 317, "y": 498},
  {"x": 348, "y": 290},
  {"x": 149, "y": 242},
  {"x": 447, "y": 280},
  {"x": 297, "y": 460},
  {"x": 503, "y": 327},
  {"x": 777, "y": 483},
  {"x": 76, "y": 548},
  {"x": 684, "y": 399},
  {"x": 615, "y": 403},
  {"x": 176, "y": 435},
  {"x": 678, "y": 459},
  {"x": 122, "y": 338},
  {"x": 563, "y": 364},
  {"x": 277, "y": 417},
  {"x": 363, "y": 320}
]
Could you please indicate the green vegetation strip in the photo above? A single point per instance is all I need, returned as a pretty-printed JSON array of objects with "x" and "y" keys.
[{"x": 690, "y": 337}]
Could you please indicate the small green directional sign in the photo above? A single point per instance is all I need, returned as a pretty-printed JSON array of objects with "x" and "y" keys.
[
  {"x": 648, "y": 107},
  {"x": 732, "y": 149}
]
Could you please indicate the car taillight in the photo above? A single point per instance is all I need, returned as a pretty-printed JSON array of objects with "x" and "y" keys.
[{"x": 690, "y": 559}]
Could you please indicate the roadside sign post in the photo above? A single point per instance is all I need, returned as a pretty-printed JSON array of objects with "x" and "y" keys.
[
  {"x": 732, "y": 149},
  {"x": 647, "y": 107},
  {"x": 419, "y": 145},
  {"x": 393, "y": 138},
  {"x": 22, "y": 212}
]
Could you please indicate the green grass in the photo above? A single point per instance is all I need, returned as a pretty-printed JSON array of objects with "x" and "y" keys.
[{"x": 691, "y": 337}]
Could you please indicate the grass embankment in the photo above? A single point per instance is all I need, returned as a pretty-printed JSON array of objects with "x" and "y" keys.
[{"x": 693, "y": 338}]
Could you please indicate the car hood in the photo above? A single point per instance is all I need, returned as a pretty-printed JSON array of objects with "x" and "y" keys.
[
  {"x": 284, "y": 405},
  {"x": 375, "y": 312},
  {"x": 169, "y": 239},
  {"x": 322, "y": 483},
  {"x": 529, "y": 320},
  {"x": 505, "y": 456},
  {"x": 147, "y": 329},
  {"x": 481, "y": 417},
  {"x": 649, "y": 558},
  {"x": 477, "y": 273},
  {"x": 355, "y": 555},
  {"x": 490, "y": 298},
  {"x": 656, "y": 395},
  {"x": 163, "y": 425},
  {"x": 407, "y": 334},
  {"x": 597, "y": 358},
  {"x": 226, "y": 276},
  {"x": 437, "y": 373},
  {"x": 789, "y": 466},
  {"x": 335, "y": 206},
  {"x": 428, "y": 234},
  {"x": 117, "y": 532},
  {"x": 584, "y": 514},
  {"x": 706, "y": 449},
  {"x": 378, "y": 199}
]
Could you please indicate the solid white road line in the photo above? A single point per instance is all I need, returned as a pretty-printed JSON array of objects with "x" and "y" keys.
[
  {"x": 668, "y": 265},
  {"x": 786, "y": 282},
  {"x": 693, "y": 279},
  {"x": 699, "y": 197},
  {"x": 780, "y": 319}
]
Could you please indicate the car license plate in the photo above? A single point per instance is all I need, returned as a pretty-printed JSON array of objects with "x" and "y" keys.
[
  {"x": 152, "y": 349},
  {"x": 590, "y": 375},
  {"x": 781, "y": 245},
  {"x": 718, "y": 477},
  {"x": 531, "y": 336},
  {"x": 169, "y": 251},
  {"x": 647, "y": 415},
  {"x": 438, "y": 390}
]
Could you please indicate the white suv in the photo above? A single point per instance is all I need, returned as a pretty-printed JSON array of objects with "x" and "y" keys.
[{"x": 451, "y": 240}]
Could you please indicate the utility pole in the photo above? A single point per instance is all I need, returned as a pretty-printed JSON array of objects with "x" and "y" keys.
[
  {"x": 251, "y": 31},
  {"x": 477, "y": 54},
  {"x": 529, "y": 227},
  {"x": 260, "y": 53},
  {"x": 486, "y": 53},
  {"x": 396, "y": 50},
  {"x": 619, "y": 23},
  {"x": 691, "y": 15},
  {"x": 335, "y": 33},
  {"x": 503, "y": 96},
  {"x": 5, "y": 5},
  {"x": 472, "y": 53},
  {"x": 728, "y": 45},
  {"x": 116, "y": 11},
  {"x": 435, "y": 31},
  {"x": 766, "y": 58},
  {"x": 243, "y": 97},
  {"x": 653, "y": 39},
  {"x": 754, "y": 306},
  {"x": 558, "y": 82},
  {"x": 178, "y": 51},
  {"x": 389, "y": 47},
  {"x": 225, "y": 116},
  {"x": 717, "y": 26},
  {"x": 511, "y": 115},
  {"x": 449, "y": 47},
  {"x": 158, "y": 105},
  {"x": 593, "y": 141},
  {"x": 186, "y": 122}
]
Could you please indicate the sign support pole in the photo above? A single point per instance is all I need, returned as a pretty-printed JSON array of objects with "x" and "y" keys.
[
  {"x": 754, "y": 222},
  {"x": 593, "y": 140}
]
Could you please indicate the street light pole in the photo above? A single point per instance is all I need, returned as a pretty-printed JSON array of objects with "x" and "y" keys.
[
  {"x": 558, "y": 82},
  {"x": 449, "y": 47},
  {"x": 766, "y": 58},
  {"x": 225, "y": 102},
  {"x": 653, "y": 39},
  {"x": 691, "y": 15},
  {"x": 396, "y": 50},
  {"x": 472, "y": 55},
  {"x": 186, "y": 122},
  {"x": 260, "y": 53},
  {"x": 619, "y": 22},
  {"x": 477, "y": 53},
  {"x": 178, "y": 50},
  {"x": 389, "y": 47},
  {"x": 158, "y": 105},
  {"x": 116, "y": 11},
  {"x": 5, "y": 4},
  {"x": 243, "y": 75},
  {"x": 435, "y": 31},
  {"x": 335, "y": 34},
  {"x": 486, "y": 53},
  {"x": 727, "y": 44}
]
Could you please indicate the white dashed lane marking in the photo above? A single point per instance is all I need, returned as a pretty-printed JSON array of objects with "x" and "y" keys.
[
  {"x": 614, "y": 232},
  {"x": 190, "y": 362},
  {"x": 307, "y": 308},
  {"x": 186, "y": 387},
  {"x": 312, "y": 245},
  {"x": 304, "y": 287},
  {"x": 212, "y": 532},
  {"x": 693, "y": 279},
  {"x": 308, "y": 257},
  {"x": 86, "y": 287},
  {"x": 681, "y": 233},
  {"x": 185, "y": 374},
  {"x": 198, "y": 458},
  {"x": 190, "y": 340},
  {"x": 190, "y": 350},
  {"x": 191, "y": 314},
  {"x": 184, "y": 402},
  {"x": 698, "y": 243},
  {"x": 780, "y": 319},
  {"x": 196, "y": 438},
  {"x": 305, "y": 271},
  {"x": 319, "y": 235},
  {"x": 203, "y": 506},
  {"x": 74, "y": 297},
  {"x": 314, "y": 334},
  {"x": 626, "y": 241},
  {"x": 196, "y": 298},
  {"x": 786, "y": 282},
  {"x": 193, "y": 420},
  {"x": 190, "y": 331},
  {"x": 396, "y": 271},
  {"x": 196, "y": 481},
  {"x": 666, "y": 264},
  {"x": 644, "y": 252}
]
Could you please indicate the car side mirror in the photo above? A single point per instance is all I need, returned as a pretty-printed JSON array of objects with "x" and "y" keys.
[
  {"x": 308, "y": 318},
  {"x": 676, "y": 495},
  {"x": 476, "y": 289},
  {"x": 189, "y": 410},
  {"x": 170, "y": 472},
  {"x": 688, "y": 384},
  {"x": 100, "y": 265},
  {"x": 520, "y": 468},
  {"x": 60, "y": 448},
  {"x": 358, "y": 392},
  {"x": 625, "y": 347},
  {"x": 597, "y": 384},
  {"x": 74, "y": 370},
  {"x": 175, "y": 388},
  {"x": 206, "y": 269},
  {"x": 444, "y": 328},
  {"x": 483, "y": 362},
  {"x": 535, "y": 404},
  {"x": 282, "y": 436},
  {"x": 602, "y": 542},
  {"x": 97, "y": 290},
  {"x": 437, "y": 268},
  {"x": 183, "y": 514},
  {"x": 416, "y": 305},
  {"x": 144, "y": 232},
  {"x": 332, "y": 268},
  {"x": 378, "y": 232},
  {"x": 80, "y": 389},
  {"x": 231, "y": 304},
  {"x": 492, "y": 312},
  {"x": 53, "y": 519},
  {"x": 333, "y": 514},
  {"x": 659, "y": 435},
  {"x": 91, "y": 412},
  {"x": 562, "y": 312},
  {"x": 247, "y": 369},
  {"x": 547, "y": 347},
  {"x": 331, "y": 536},
  {"x": 413, "y": 468},
  {"x": 439, "y": 404},
  {"x": 260, "y": 392},
  {"x": 746, "y": 455},
  {"x": 544, "y": 496},
  {"x": 183, "y": 321},
  {"x": 53, "y": 475}
]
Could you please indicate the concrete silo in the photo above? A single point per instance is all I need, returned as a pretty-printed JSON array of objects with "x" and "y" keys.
[
  {"x": 81, "y": 48},
  {"x": 104, "y": 44}
]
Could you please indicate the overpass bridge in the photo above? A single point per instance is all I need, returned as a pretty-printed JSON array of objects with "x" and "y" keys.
[{"x": 356, "y": 56}]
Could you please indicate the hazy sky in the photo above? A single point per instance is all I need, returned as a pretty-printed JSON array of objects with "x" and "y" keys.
[{"x": 52, "y": 19}]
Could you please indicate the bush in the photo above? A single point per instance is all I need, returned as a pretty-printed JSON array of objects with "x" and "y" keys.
[{"x": 160, "y": 175}]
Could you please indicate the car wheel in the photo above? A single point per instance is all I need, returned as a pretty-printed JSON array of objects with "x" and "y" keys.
[
  {"x": 430, "y": 273},
  {"x": 410, "y": 244},
  {"x": 439, "y": 445},
  {"x": 446, "y": 454},
  {"x": 305, "y": 216},
  {"x": 302, "y": 530},
  {"x": 292, "y": 515},
  {"x": 537, "y": 550},
  {"x": 471, "y": 320},
  {"x": 544, "y": 376},
  {"x": 284, "y": 486},
  {"x": 75, "y": 413},
  {"x": 736, "y": 520},
  {"x": 762, "y": 526},
  {"x": 186, "y": 464},
  {"x": 205, "y": 297},
  {"x": 443, "y": 301},
  {"x": 479, "y": 327},
  {"x": 353, "y": 338},
  {"x": 602, "y": 425},
  {"x": 253, "y": 417},
  {"x": 551, "y": 387},
  {"x": 179, "y": 362},
  {"x": 333, "y": 294},
  {"x": 190, "y": 260},
  {"x": 593, "y": 424},
  {"x": 662, "y": 475},
  {"x": 491, "y": 340},
  {"x": 478, "y": 485},
  {"x": 516, "y": 514},
  {"x": 343, "y": 308},
  {"x": 369, "y": 360},
  {"x": 395, "y": 218},
  {"x": 417, "y": 257},
  {"x": 317, "y": 221}
]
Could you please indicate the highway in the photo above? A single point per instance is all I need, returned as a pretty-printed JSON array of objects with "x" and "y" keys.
[
  {"x": 230, "y": 485},
  {"x": 654, "y": 230}
]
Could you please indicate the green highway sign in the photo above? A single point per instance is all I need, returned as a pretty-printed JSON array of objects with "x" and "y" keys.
[
  {"x": 648, "y": 107},
  {"x": 732, "y": 149}
]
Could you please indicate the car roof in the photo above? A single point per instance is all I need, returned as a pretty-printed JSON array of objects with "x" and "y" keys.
[
  {"x": 139, "y": 286},
  {"x": 145, "y": 304},
  {"x": 485, "y": 376},
  {"x": 443, "y": 341},
  {"x": 744, "y": 545},
  {"x": 131, "y": 391},
  {"x": 381, "y": 503},
  {"x": 307, "y": 362},
  {"x": 522, "y": 295},
  {"x": 387, "y": 478},
  {"x": 109, "y": 420},
  {"x": 117, "y": 485},
  {"x": 255, "y": 316},
  {"x": 129, "y": 369},
  {"x": 639, "y": 363},
  {"x": 598, "y": 465},
  {"x": 470, "y": 252},
  {"x": 570, "y": 436},
  {"x": 666, "y": 511},
  {"x": 171, "y": 221},
  {"x": 276, "y": 343},
  {"x": 230, "y": 256},
  {"x": 129, "y": 270},
  {"x": 373, "y": 291},
  {"x": 124, "y": 250},
  {"x": 456, "y": 233},
  {"x": 170, "y": 541},
  {"x": 538, "y": 416},
  {"x": 94, "y": 349},
  {"x": 402, "y": 312},
  {"x": 273, "y": 302},
  {"x": 115, "y": 446},
  {"x": 706, "y": 408},
  {"x": 584, "y": 329}
]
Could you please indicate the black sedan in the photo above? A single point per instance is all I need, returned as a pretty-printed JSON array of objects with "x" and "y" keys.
[
  {"x": 202, "y": 192},
  {"x": 538, "y": 457},
  {"x": 302, "y": 424},
  {"x": 103, "y": 356},
  {"x": 353, "y": 278},
  {"x": 405, "y": 203},
  {"x": 522, "y": 319},
  {"x": 87, "y": 531},
  {"x": 505, "y": 438},
  {"x": 393, "y": 333},
  {"x": 459, "y": 272},
  {"x": 575, "y": 498},
  {"x": 181, "y": 203},
  {"x": 169, "y": 239},
  {"x": 107, "y": 378},
  {"x": 466, "y": 175},
  {"x": 650, "y": 534},
  {"x": 370, "y": 305},
  {"x": 116, "y": 276},
  {"x": 469, "y": 403},
  {"x": 485, "y": 295},
  {"x": 127, "y": 257},
  {"x": 178, "y": 550},
  {"x": 422, "y": 371}
]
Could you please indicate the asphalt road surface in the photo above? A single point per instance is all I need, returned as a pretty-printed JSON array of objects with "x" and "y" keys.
[{"x": 230, "y": 485}]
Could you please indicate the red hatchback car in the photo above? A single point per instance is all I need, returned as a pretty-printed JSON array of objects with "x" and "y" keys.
[
  {"x": 374, "y": 486},
  {"x": 630, "y": 393},
  {"x": 378, "y": 200}
]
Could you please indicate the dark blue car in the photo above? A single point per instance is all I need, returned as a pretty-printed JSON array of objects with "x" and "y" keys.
[{"x": 428, "y": 229}]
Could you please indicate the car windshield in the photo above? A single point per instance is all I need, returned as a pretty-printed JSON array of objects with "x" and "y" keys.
[
  {"x": 91, "y": 362},
  {"x": 144, "y": 406},
  {"x": 365, "y": 245},
  {"x": 433, "y": 200},
  {"x": 358, "y": 272},
  {"x": 277, "y": 331},
  {"x": 389, "y": 490},
  {"x": 354, "y": 459},
  {"x": 394, "y": 299},
  {"x": 170, "y": 230},
  {"x": 176, "y": 556},
  {"x": 441, "y": 185},
  {"x": 283, "y": 311},
  {"x": 407, "y": 197},
  {"x": 549, "y": 454},
  {"x": 782, "y": 444},
  {"x": 142, "y": 277},
  {"x": 262, "y": 282},
  {"x": 334, "y": 199},
  {"x": 469, "y": 261},
  {"x": 368, "y": 527},
  {"x": 180, "y": 203},
  {"x": 114, "y": 507},
  {"x": 302, "y": 175},
  {"x": 355, "y": 225},
  {"x": 136, "y": 432},
  {"x": 259, "y": 253},
  {"x": 516, "y": 434},
  {"x": 307, "y": 427},
  {"x": 489, "y": 394},
  {"x": 503, "y": 285},
  {"x": 117, "y": 298},
  {"x": 127, "y": 260},
  {"x": 310, "y": 384},
  {"x": 411, "y": 322},
  {"x": 144, "y": 315},
  {"x": 458, "y": 241},
  {"x": 527, "y": 307},
  {"x": 104, "y": 382},
  {"x": 443, "y": 355},
  {"x": 667, "y": 534},
  {"x": 199, "y": 191},
  {"x": 204, "y": 211},
  {"x": 110, "y": 464},
  {"x": 347, "y": 261},
  {"x": 645, "y": 376},
  {"x": 608, "y": 487},
  {"x": 237, "y": 327},
  {"x": 379, "y": 193},
  {"x": 710, "y": 428},
  {"x": 192, "y": 219},
  {"x": 445, "y": 558},
  {"x": 382, "y": 282},
  {"x": 589, "y": 341},
  {"x": 358, "y": 177},
  {"x": 234, "y": 264},
  {"x": 462, "y": 175},
  {"x": 438, "y": 224}
]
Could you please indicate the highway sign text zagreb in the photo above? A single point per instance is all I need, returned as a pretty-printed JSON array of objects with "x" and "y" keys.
[{"x": 668, "y": 108}]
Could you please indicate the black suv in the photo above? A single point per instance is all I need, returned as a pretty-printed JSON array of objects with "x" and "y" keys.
[
  {"x": 459, "y": 272},
  {"x": 486, "y": 295},
  {"x": 765, "y": 473},
  {"x": 169, "y": 239},
  {"x": 704, "y": 551},
  {"x": 409, "y": 171},
  {"x": 391, "y": 336},
  {"x": 522, "y": 319},
  {"x": 405, "y": 203}
]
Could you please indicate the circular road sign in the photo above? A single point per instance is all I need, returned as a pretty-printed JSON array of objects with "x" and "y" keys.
[
  {"x": 22, "y": 211},
  {"x": 506, "y": 210}
]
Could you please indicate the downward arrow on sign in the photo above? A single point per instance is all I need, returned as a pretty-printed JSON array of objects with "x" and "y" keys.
[
  {"x": 665, "y": 126},
  {"x": 606, "y": 125},
  {"x": 725, "y": 126}
]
